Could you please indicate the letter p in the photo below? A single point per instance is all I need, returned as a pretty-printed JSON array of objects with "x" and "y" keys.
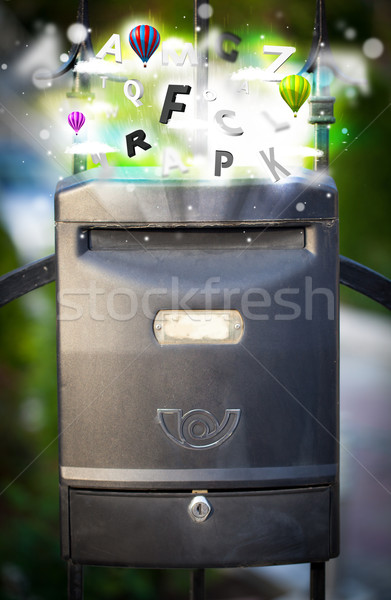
[{"x": 219, "y": 164}]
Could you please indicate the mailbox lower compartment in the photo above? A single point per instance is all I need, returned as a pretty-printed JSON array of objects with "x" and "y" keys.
[{"x": 155, "y": 529}]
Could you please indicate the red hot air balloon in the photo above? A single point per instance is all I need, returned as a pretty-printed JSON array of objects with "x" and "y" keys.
[
  {"x": 144, "y": 40},
  {"x": 76, "y": 120}
]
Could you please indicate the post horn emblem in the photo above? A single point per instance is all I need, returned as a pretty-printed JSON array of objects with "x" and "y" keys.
[{"x": 197, "y": 429}]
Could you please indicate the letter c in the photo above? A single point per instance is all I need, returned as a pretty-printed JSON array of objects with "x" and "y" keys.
[{"x": 220, "y": 115}]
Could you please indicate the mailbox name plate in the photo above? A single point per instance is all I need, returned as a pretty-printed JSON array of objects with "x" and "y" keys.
[{"x": 198, "y": 327}]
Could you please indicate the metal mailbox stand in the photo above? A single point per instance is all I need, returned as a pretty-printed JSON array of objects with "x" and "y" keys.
[{"x": 358, "y": 277}]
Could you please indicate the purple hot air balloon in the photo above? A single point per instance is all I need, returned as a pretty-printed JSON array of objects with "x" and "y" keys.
[
  {"x": 76, "y": 120},
  {"x": 144, "y": 40}
]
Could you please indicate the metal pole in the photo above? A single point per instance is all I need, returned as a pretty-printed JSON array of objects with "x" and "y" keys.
[
  {"x": 318, "y": 581},
  {"x": 321, "y": 103},
  {"x": 201, "y": 31},
  {"x": 197, "y": 584},
  {"x": 81, "y": 88},
  {"x": 75, "y": 581},
  {"x": 321, "y": 115}
]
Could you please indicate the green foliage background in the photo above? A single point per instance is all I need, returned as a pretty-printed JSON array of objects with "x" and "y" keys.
[{"x": 29, "y": 547}]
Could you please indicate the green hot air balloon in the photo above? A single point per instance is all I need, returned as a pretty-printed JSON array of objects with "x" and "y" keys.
[{"x": 295, "y": 90}]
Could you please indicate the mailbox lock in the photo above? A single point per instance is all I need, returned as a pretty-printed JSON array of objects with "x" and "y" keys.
[{"x": 199, "y": 509}]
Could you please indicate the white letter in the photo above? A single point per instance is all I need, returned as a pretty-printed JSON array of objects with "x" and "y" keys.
[
  {"x": 209, "y": 98},
  {"x": 244, "y": 87},
  {"x": 285, "y": 52},
  {"x": 115, "y": 41},
  {"x": 171, "y": 161},
  {"x": 139, "y": 88},
  {"x": 273, "y": 165},
  {"x": 111, "y": 111},
  {"x": 220, "y": 115},
  {"x": 179, "y": 61},
  {"x": 100, "y": 158}
]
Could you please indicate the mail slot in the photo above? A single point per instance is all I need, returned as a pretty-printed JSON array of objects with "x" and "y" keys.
[{"x": 198, "y": 370}]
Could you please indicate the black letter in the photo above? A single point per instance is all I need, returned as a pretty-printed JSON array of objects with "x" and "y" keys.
[
  {"x": 169, "y": 103},
  {"x": 136, "y": 139},
  {"x": 220, "y": 50},
  {"x": 219, "y": 163}
]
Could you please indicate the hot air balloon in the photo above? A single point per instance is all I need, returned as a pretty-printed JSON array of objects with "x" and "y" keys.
[
  {"x": 295, "y": 90},
  {"x": 144, "y": 40},
  {"x": 76, "y": 120}
]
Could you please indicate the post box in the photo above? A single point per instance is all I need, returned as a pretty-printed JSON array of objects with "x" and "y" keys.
[{"x": 198, "y": 370}]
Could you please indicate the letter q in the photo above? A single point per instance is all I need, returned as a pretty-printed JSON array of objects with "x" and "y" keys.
[{"x": 139, "y": 91}]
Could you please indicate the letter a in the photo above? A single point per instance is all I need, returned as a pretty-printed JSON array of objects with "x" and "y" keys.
[
  {"x": 115, "y": 41},
  {"x": 171, "y": 161}
]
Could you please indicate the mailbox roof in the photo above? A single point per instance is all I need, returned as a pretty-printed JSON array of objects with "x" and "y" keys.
[{"x": 129, "y": 195}]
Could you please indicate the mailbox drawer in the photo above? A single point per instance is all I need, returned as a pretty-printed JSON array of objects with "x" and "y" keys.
[{"x": 155, "y": 530}]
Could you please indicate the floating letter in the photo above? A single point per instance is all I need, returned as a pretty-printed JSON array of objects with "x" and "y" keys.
[
  {"x": 134, "y": 139},
  {"x": 277, "y": 126},
  {"x": 115, "y": 41},
  {"x": 171, "y": 161},
  {"x": 220, "y": 115},
  {"x": 285, "y": 52},
  {"x": 139, "y": 91},
  {"x": 231, "y": 37},
  {"x": 170, "y": 105},
  {"x": 179, "y": 61},
  {"x": 209, "y": 96},
  {"x": 273, "y": 165},
  {"x": 219, "y": 164},
  {"x": 244, "y": 87}
]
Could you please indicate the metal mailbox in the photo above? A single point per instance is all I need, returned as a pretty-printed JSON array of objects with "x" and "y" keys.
[{"x": 198, "y": 371}]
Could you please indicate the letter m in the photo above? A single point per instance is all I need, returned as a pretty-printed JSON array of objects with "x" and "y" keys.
[{"x": 179, "y": 61}]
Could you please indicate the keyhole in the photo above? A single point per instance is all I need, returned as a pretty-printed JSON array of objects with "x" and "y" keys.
[{"x": 199, "y": 509}]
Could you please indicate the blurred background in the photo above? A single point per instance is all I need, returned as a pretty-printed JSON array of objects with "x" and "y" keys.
[{"x": 34, "y": 137}]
